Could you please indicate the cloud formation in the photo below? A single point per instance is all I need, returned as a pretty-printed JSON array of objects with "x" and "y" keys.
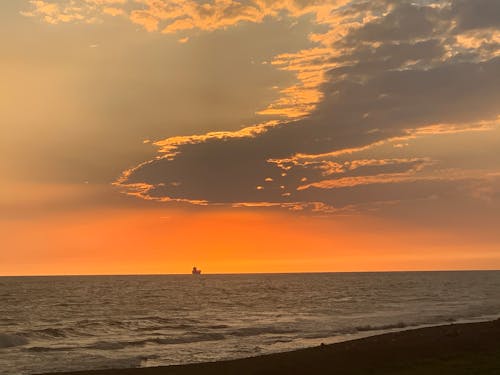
[
  {"x": 383, "y": 72},
  {"x": 87, "y": 11},
  {"x": 182, "y": 17}
]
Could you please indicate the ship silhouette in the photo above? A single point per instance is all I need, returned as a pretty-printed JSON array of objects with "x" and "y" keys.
[{"x": 196, "y": 271}]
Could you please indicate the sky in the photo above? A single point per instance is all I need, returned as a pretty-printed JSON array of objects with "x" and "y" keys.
[{"x": 149, "y": 136}]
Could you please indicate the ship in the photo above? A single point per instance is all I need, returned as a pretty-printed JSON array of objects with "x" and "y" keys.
[{"x": 196, "y": 271}]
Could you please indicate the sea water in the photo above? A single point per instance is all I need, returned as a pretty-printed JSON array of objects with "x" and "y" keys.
[{"x": 50, "y": 324}]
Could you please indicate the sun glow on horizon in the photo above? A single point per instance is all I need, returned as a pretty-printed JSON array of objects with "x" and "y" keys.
[
  {"x": 149, "y": 136},
  {"x": 166, "y": 241}
]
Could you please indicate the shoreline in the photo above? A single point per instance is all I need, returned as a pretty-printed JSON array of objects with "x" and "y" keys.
[{"x": 456, "y": 348}]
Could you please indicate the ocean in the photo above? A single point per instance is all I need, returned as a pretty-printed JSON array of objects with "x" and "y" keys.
[{"x": 50, "y": 324}]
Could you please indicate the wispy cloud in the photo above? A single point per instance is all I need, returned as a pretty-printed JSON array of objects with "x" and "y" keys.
[{"x": 86, "y": 11}]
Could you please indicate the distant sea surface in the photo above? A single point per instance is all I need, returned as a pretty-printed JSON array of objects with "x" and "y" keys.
[{"x": 50, "y": 324}]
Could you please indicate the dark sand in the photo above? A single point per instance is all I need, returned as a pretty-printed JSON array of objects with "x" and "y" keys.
[{"x": 455, "y": 349}]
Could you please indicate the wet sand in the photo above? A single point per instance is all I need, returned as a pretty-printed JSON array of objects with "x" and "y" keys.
[{"x": 455, "y": 349}]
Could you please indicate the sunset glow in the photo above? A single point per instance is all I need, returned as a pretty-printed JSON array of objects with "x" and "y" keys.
[{"x": 259, "y": 136}]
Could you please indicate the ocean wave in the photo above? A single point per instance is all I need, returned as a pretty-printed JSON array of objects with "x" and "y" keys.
[
  {"x": 164, "y": 320},
  {"x": 157, "y": 319},
  {"x": 255, "y": 331},
  {"x": 358, "y": 329},
  {"x": 112, "y": 332},
  {"x": 9, "y": 341},
  {"x": 165, "y": 327},
  {"x": 40, "y": 349},
  {"x": 280, "y": 340},
  {"x": 147, "y": 323},
  {"x": 218, "y": 326},
  {"x": 110, "y": 345},
  {"x": 92, "y": 324},
  {"x": 115, "y": 345},
  {"x": 52, "y": 333},
  {"x": 382, "y": 327},
  {"x": 187, "y": 339}
]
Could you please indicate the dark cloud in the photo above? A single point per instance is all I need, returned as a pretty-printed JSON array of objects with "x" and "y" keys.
[
  {"x": 476, "y": 14},
  {"x": 405, "y": 22},
  {"x": 398, "y": 73},
  {"x": 390, "y": 192},
  {"x": 371, "y": 60}
]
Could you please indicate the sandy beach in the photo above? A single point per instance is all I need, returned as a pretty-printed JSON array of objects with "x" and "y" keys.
[{"x": 471, "y": 348}]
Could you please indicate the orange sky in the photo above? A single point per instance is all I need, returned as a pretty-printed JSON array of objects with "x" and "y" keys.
[
  {"x": 133, "y": 132},
  {"x": 152, "y": 240}
]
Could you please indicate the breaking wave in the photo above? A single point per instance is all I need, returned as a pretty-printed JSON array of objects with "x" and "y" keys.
[
  {"x": 114, "y": 345},
  {"x": 125, "y": 321}
]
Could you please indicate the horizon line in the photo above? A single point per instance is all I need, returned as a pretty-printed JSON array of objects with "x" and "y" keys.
[{"x": 250, "y": 273}]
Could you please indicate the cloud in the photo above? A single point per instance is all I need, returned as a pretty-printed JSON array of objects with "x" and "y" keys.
[
  {"x": 401, "y": 74},
  {"x": 191, "y": 16},
  {"x": 112, "y": 11},
  {"x": 86, "y": 11},
  {"x": 477, "y": 14},
  {"x": 382, "y": 71}
]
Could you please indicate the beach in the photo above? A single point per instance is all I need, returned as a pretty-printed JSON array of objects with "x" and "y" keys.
[
  {"x": 468, "y": 348},
  {"x": 68, "y": 324}
]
